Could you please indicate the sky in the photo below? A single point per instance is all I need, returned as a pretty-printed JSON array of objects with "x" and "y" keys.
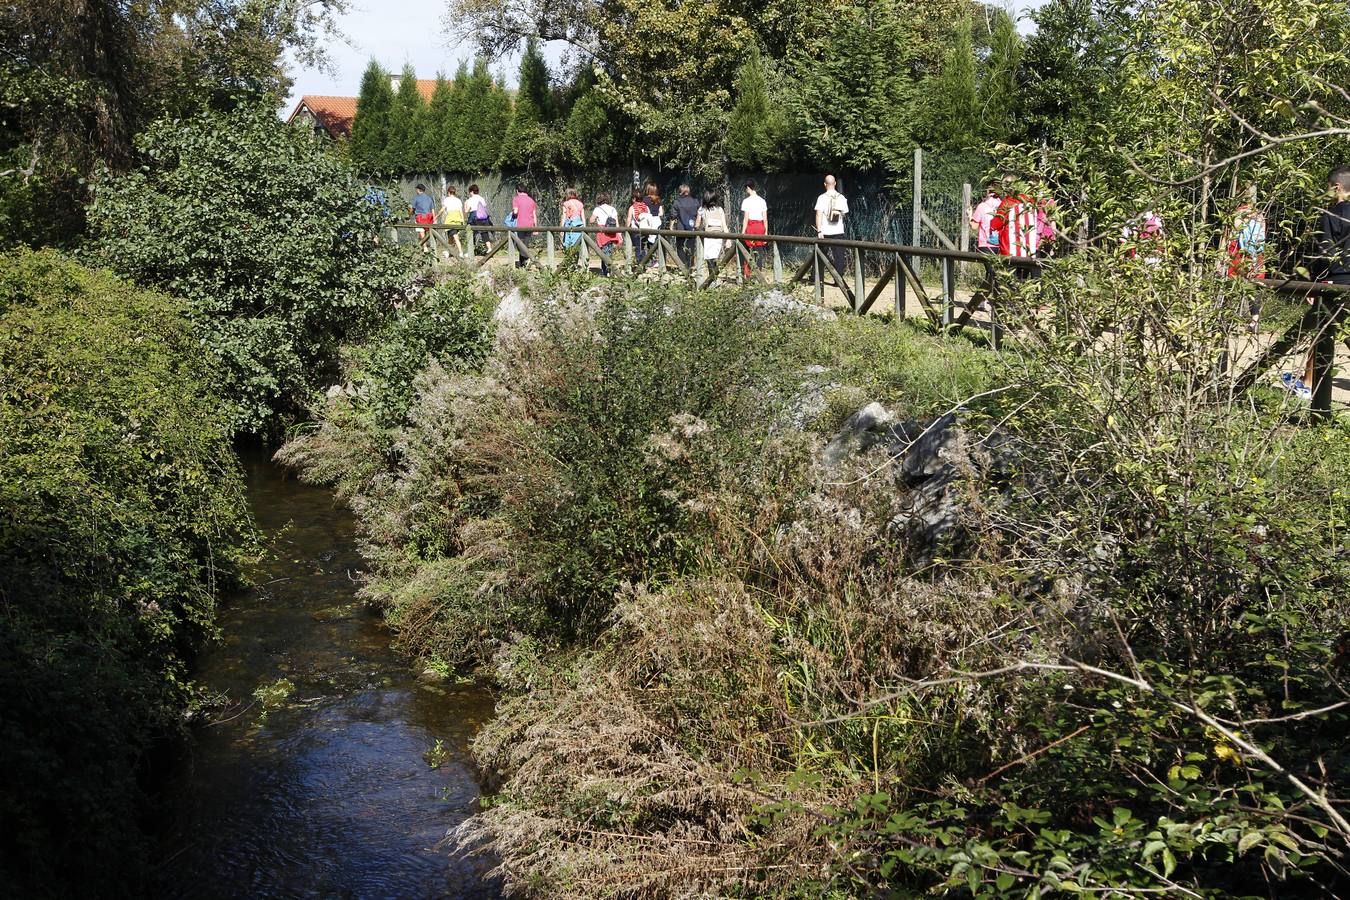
[
  {"x": 399, "y": 31},
  {"x": 393, "y": 32}
]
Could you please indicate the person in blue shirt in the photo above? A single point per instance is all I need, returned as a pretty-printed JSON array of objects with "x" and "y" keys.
[{"x": 422, "y": 207}]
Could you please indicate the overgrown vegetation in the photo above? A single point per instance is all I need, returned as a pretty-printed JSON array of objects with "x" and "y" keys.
[
  {"x": 122, "y": 517},
  {"x": 730, "y": 670},
  {"x": 270, "y": 241}
]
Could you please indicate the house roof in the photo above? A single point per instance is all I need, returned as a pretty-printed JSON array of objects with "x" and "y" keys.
[{"x": 334, "y": 114}]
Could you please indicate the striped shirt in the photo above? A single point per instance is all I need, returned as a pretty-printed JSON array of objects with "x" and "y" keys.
[{"x": 1017, "y": 223}]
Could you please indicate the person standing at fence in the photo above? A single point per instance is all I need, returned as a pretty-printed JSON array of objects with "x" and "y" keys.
[
  {"x": 421, "y": 208},
  {"x": 524, "y": 209},
  {"x": 754, "y": 220},
  {"x": 1017, "y": 221},
  {"x": 686, "y": 213},
  {"x": 656, "y": 214},
  {"x": 477, "y": 212},
  {"x": 981, "y": 217},
  {"x": 605, "y": 216},
  {"x": 711, "y": 217},
  {"x": 637, "y": 208},
  {"x": 1332, "y": 264},
  {"x": 831, "y": 211},
  {"x": 452, "y": 216},
  {"x": 573, "y": 216}
]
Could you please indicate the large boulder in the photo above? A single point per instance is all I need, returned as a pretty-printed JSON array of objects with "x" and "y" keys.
[{"x": 933, "y": 463}]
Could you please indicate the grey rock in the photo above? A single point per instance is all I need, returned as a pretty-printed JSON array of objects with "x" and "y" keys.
[{"x": 862, "y": 431}]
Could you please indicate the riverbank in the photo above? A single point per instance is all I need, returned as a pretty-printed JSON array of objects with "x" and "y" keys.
[{"x": 769, "y": 623}]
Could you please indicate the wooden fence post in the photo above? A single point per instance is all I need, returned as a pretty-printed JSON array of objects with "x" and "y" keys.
[
  {"x": 916, "y": 235},
  {"x": 1324, "y": 359}
]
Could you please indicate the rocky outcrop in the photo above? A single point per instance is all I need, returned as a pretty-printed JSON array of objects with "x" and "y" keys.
[{"x": 934, "y": 462}]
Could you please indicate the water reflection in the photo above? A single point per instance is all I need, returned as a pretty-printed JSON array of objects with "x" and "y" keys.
[{"x": 318, "y": 779}]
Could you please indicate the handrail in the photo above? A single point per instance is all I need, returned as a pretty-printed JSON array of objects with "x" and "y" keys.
[{"x": 796, "y": 239}]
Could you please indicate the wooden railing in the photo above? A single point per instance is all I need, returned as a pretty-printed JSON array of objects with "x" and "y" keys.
[
  {"x": 875, "y": 266},
  {"x": 894, "y": 266}
]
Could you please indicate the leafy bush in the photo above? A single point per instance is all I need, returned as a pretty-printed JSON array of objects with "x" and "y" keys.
[
  {"x": 268, "y": 238},
  {"x": 448, "y": 323},
  {"x": 122, "y": 515}
]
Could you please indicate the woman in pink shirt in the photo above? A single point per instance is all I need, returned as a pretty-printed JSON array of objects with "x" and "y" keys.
[
  {"x": 573, "y": 216},
  {"x": 524, "y": 208},
  {"x": 986, "y": 240}
]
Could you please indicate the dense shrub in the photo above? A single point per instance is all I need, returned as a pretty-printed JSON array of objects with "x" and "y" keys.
[
  {"x": 726, "y": 675},
  {"x": 268, "y": 238},
  {"x": 121, "y": 516}
]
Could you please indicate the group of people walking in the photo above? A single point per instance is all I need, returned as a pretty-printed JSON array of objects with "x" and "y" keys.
[{"x": 645, "y": 212}]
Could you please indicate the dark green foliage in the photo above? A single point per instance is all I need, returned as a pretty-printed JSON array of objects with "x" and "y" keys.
[
  {"x": 1069, "y": 67},
  {"x": 440, "y": 146},
  {"x": 486, "y": 113},
  {"x": 536, "y": 88},
  {"x": 121, "y": 516},
  {"x": 853, "y": 85},
  {"x": 757, "y": 129},
  {"x": 448, "y": 323},
  {"x": 402, "y": 150},
  {"x": 370, "y": 129},
  {"x": 269, "y": 240},
  {"x": 955, "y": 123},
  {"x": 534, "y": 101},
  {"x": 999, "y": 87}
]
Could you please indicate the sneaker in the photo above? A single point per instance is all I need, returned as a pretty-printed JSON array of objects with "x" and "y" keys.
[
  {"x": 1287, "y": 381},
  {"x": 1302, "y": 391}
]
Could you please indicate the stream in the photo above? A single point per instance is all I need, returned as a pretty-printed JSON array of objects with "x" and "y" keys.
[{"x": 332, "y": 771}]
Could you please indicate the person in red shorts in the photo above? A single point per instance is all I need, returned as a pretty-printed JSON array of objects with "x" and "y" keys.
[
  {"x": 754, "y": 220},
  {"x": 422, "y": 207}
]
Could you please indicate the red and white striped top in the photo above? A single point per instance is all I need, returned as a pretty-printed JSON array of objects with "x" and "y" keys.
[{"x": 1018, "y": 225}]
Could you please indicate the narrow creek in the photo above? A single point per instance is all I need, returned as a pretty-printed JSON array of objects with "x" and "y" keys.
[{"x": 332, "y": 771}]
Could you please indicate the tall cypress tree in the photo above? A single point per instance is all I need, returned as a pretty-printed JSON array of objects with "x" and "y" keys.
[
  {"x": 437, "y": 151},
  {"x": 998, "y": 86},
  {"x": 955, "y": 119},
  {"x": 479, "y": 128},
  {"x": 756, "y": 128},
  {"x": 370, "y": 128},
  {"x": 534, "y": 82},
  {"x": 457, "y": 112},
  {"x": 402, "y": 151},
  {"x": 533, "y": 99}
]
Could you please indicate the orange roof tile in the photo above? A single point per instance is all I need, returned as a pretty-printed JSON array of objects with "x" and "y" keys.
[{"x": 334, "y": 114}]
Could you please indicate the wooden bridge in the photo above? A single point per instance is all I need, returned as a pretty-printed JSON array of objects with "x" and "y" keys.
[{"x": 967, "y": 284}]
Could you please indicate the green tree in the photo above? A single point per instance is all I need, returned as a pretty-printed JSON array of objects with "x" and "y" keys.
[
  {"x": 370, "y": 128},
  {"x": 77, "y": 83},
  {"x": 284, "y": 267},
  {"x": 950, "y": 96},
  {"x": 590, "y": 136},
  {"x": 854, "y": 93},
  {"x": 529, "y": 113},
  {"x": 536, "y": 82},
  {"x": 402, "y": 149},
  {"x": 483, "y": 120},
  {"x": 757, "y": 126},
  {"x": 999, "y": 91},
  {"x": 440, "y": 151},
  {"x": 1070, "y": 64}
]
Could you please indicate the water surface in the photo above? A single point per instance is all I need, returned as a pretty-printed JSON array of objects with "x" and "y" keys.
[{"x": 333, "y": 771}]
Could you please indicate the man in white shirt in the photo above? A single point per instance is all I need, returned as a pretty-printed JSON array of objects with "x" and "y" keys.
[{"x": 831, "y": 208}]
